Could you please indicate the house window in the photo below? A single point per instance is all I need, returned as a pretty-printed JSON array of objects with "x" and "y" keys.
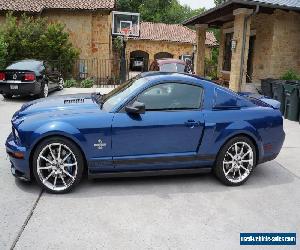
[{"x": 227, "y": 52}]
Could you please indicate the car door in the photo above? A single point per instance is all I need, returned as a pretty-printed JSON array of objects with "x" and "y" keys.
[{"x": 166, "y": 136}]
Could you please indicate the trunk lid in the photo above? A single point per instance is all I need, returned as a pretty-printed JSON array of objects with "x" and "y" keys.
[{"x": 261, "y": 100}]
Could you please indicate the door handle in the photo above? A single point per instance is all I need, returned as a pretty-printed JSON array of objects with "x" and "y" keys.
[{"x": 192, "y": 123}]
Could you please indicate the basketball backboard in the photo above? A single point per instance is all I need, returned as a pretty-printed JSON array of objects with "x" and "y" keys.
[{"x": 125, "y": 20}]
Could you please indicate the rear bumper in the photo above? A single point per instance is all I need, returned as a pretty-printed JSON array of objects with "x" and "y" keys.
[
  {"x": 24, "y": 88},
  {"x": 272, "y": 150},
  {"x": 19, "y": 166}
]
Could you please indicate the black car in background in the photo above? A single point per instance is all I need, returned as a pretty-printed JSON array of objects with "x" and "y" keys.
[{"x": 30, "y": 77}]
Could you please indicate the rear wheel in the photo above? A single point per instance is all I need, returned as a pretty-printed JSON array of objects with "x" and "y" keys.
[
  {"x": 235, "y": 161},
  {"x": 7, "y": 96},
  {"x": 44, "y": 90},
  {"x": 57, "y": 165}
]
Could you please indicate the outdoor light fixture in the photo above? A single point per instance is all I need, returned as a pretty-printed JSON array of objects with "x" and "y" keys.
[
  {"x": 233, "y": 44},
  {"x": 194, "y": 48}
]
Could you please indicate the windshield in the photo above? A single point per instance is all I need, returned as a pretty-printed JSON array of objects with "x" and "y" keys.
[
  {"x": 172, "y": 67},
  {"x": 116, "y": 96}
]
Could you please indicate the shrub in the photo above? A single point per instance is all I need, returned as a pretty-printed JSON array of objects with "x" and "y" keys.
[
  {"x": 87, "y": 83},
  {"x": 28, "y": 37},
  {"x": 3, "y": 52},
  {"x": 70, "y": 83},
  {"x": 290, "y": 75},
  {"x": 211, "y": 71}
]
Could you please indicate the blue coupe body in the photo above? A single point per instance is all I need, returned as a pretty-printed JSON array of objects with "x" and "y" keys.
[{"x": 112, "y": 140}]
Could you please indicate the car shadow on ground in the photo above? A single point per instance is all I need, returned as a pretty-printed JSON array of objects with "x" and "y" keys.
[{"x": 265, "y": 175}]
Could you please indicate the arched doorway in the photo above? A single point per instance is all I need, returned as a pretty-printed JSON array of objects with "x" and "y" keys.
[
  {"x": 161, "y": 55},
  {"x": 139, "y": 60}
]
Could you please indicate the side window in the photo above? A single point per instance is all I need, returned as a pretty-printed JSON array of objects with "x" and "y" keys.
[{"x": 171, "y": 96}]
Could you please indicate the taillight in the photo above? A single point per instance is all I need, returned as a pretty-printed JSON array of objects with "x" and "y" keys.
[
  {"x": 29, "y": 77},
  {"x": 2, "y": 76}
]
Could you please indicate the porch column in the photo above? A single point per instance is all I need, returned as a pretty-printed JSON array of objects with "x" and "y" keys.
[
  {"x": 237, "y": 53},
  {"x": 200, "y": 53}
]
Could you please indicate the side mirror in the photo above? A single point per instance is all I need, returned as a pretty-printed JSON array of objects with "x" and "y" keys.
[{"x": 135, "y": 108}]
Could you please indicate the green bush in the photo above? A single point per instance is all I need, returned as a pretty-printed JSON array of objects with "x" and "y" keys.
[
  {"x": 87, "y": 83},
  {"x": 70, "y": 83},
  {"x": 211, "y": 67},
  {"x": 28, "y": 37},
  {"x": 290, "y": 75},
  {"x": 3, "y": 52}
]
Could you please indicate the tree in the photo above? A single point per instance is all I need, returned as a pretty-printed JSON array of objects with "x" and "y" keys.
[
  {"x": 165, "y": 11},
  {"x": 3, "y": 52},
  {"x": 218, "y": 2},
  {"x": 31, "y": 37}
]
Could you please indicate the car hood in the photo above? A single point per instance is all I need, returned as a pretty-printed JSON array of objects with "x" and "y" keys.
[{"x": 59, "y": 104}]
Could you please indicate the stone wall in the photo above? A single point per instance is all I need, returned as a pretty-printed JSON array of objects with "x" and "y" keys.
[
  {"x": 263, "y": 26},
  {"x": 154, "y": 47},
  {"x": 286, "y": 43},
  {"x": 89, "y": 31},
  {"x": 276, "y": 47}
]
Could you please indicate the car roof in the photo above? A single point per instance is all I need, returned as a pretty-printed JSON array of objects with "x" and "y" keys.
[
  {"x": 170, "y": 60},
  {"x": 29, "y": 60},
  {"x": 169, "y": 76}
]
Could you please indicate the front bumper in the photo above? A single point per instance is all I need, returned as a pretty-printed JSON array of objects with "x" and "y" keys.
[
  {"x": 24, "y": 88},
  {"x": 19, "y": 165}
]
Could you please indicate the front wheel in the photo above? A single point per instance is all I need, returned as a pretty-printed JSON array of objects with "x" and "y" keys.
[
  {"x": 61, "y": 84},
  {"x": 235, "y": 161},
  {"x": 57, "y": 165}
]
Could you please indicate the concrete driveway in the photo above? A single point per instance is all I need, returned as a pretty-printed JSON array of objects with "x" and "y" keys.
[{"x": 182, "y": 212}]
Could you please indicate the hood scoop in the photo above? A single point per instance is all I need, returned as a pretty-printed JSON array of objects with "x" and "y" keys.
[{"x": 72, "y": 101}]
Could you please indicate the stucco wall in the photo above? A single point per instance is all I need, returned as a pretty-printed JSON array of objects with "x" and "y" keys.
[{"x": 154, "y": 47}]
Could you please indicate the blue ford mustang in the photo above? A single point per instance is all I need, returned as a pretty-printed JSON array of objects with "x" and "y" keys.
[{"x": 155, "y": 123}]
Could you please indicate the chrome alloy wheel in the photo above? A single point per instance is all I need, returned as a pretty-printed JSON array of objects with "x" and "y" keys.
[
  {"x": 61, "y": 84},
  {"x": 238, "y": 162},
  {"x": 57, "y": 166},
  {"x": 46, "y": 90}
]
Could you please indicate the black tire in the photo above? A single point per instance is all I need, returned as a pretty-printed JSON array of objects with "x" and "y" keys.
[
  {"x": 43, "y": 93},
  {"x": 78, "y": 158},
  {"x": 219, "y": 169},
  {"x": 7, "y": 96}
]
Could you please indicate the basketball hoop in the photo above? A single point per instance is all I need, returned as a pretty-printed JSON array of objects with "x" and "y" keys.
[{"x": 125, "y": 32}]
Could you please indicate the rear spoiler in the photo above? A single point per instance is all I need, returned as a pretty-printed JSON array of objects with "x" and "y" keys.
[{"x": 261, "y": 100}]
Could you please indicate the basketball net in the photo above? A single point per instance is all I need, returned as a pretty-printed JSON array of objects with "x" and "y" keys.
[{"x": 126, "y": 32}]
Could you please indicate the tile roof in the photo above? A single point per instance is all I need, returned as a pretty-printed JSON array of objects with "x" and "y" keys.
[
  {"x": 39, "y": 5},
  {"x": 274, "y": 4},
  {"x": 287, "y": 3},
  {"x": 172, "y": 33}
]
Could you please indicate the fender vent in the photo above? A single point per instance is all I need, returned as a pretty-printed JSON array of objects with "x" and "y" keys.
[{"x": 80, "y": 100}]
